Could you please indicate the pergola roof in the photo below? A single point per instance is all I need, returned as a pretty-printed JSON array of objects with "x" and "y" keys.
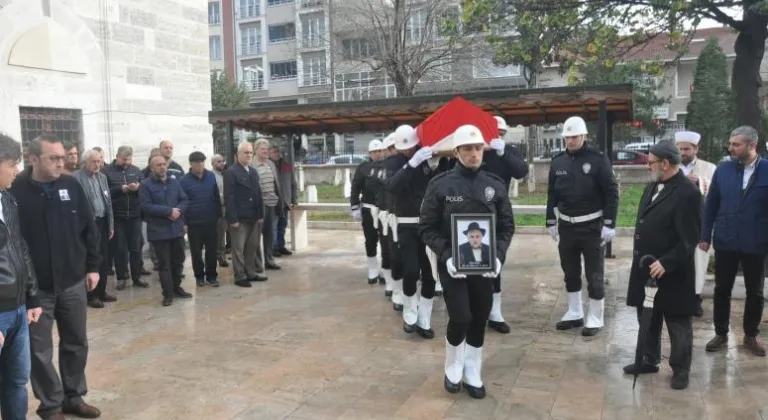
[{"x": 517, "y": 106}]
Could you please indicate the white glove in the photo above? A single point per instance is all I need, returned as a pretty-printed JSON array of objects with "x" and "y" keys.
[
  {"x": 496, "y": 272},
  {"x": 498, "y": 146},
  {"x": 420, "y": 156},
  {"x": 607, "y": 234},
  {"x": 357, "y": 215},
  {"x": 552, "y": 230},
  {"x": 452, "y": 270}
]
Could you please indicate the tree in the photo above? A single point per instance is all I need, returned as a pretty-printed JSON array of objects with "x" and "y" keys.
[
  {"x": 645, "y": 19},
  {"x": 710, "y": 110},
  {"x": 406, "y": 40},
  {"x": 225, "y": 95}
]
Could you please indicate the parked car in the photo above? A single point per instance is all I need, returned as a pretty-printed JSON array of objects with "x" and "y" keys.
[
  {"x": 627, "y": 157},
  {"x": 346, "y": 160},
  {"x": 643, "y": 147}
]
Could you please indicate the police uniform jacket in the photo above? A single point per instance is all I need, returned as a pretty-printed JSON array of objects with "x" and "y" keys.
[
  {"x": 668, "y": 228},
  {"x": 361, "y": 186},
  {"x": 507, "y": 166},
  {"x": 391, "y": 166},
  {"x": 377, "y": 181},
  {"x": 408, "y": 186},
  {"x": 463, "y": 190},
  {"x": 582, "y": 183}
]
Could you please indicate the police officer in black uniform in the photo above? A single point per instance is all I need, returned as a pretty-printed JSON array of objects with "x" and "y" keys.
[
  {"x": 380, "y": 212},
  {"x": 468, "y": 298},
  {"x": 582, "y": 201},
  {"x": 365, "y": 210},
  {"x": 407, "y": 186},
  {"x": 389, "y": 168}
]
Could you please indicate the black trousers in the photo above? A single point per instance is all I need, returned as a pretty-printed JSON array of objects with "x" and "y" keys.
[
  {"x": 101, "y": 288},
  {"x": 395, "y": 261},
  {"x": 170, "y": 258},
  {"x": 413, "y": 254},
  {"x": 386, "y": 246},
  {"x": 370, "y": 233},
  {"x": 577, "y": 240},
  {"x": 68, "y": 309},
  {"x": 129, "y": 243},
  {"x": 726, "y": 265},
  {"x": 497, "y": 284},
  {"x": 204, "y": 236},
  {"x": 680, "y": 329},
  {"x": 468, "y": 302}
]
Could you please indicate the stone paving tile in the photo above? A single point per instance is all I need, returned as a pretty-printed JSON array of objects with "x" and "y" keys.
[{"x": 316, "y": 342}]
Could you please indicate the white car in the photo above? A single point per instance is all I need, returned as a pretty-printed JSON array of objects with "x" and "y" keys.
[{"x": 346, "y": 160}]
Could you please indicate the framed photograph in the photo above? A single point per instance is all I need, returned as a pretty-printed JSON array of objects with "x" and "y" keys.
[{"x": 474, "y": 243}]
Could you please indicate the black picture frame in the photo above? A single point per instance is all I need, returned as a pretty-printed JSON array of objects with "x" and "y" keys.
[{"x": 461, "y": 248}]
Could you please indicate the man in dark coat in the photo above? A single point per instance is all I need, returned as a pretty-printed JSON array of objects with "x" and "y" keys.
[
  {"x": 668, "y": 227},
  {"x": 467, "y": 255}
]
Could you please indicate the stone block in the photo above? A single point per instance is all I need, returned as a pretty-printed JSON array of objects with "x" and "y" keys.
[
  {"x": 167, "y": 41},
  {"x": 141, "y": 18},
  {"x": 200, "y": 66},
  {"x": 120, "y": 32},
  {"x": 172, "y": 24},
  {"x": 195, "y": 14},
  {"x": 176, "y": 80},
  {"x": 194, "y": 47},
  {"x": 140, "y": 76}
]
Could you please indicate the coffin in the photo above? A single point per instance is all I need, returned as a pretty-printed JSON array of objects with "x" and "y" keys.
[{"x": 437, "y": 130}]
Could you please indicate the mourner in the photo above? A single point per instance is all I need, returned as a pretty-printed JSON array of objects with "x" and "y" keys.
[
  {"x": 700, "y": 172},
  {"x": 407, "y": 186},
  {"x": 364, "y": 208},
  {"x": 506, "y": 162},
  {"x": 582, "y": 202},
  {"x": 668, "y": 227},
  {"x": 390, "y": 166},
  {"x": 385, "y": 239},
  {"x": 468, "y": 298},
  {"x": 735, "y": 211}
]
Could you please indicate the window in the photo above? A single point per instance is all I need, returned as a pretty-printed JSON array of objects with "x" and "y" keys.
[
  {"x": 66, "y": 124},
  {"x": 313, "y": 32},
  {"x": 449, "y": 22},
  {"x": 416, "y": 28},
  {"x": 314, "y": 71},
  {"x": 341, "y": 160},
  {"x": 282, "y": 70},
  {"x": 440, "y": 70},
  {"x": 483, "y": 68},
  {"x": 250, "y": 40},
  {"x": 357, "y": 48},
  {"x": 214, "y": 13},
  {"x": 249, "y": 9},
  {"x": 362, "y": 85},
  {"x": 277, "y": 2},
  {"x": 214, "y": 46},
  {"x": 625, "y": 156},
  {"x": 284, "y": 32},
  {"x": 349, "y": 145},
  {"x": 253, "y": 78},
  {"x": 356, "y": 160}
]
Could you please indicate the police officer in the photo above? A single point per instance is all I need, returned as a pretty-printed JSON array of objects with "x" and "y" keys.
[
  {"x": 504, "y": 161},
  {"x": 388, "y": 167},
  {"x": 582, "y": 201},
  {"x": 407, "y": 186},
  {"x": 468, "y": 298},
  {"x": 365, "y": 210}
]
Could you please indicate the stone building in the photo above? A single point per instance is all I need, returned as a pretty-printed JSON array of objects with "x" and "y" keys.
[{"x": 107, "y": 73}]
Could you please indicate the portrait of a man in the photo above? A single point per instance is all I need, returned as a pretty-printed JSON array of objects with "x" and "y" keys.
[{"x": 475, "y": 253}]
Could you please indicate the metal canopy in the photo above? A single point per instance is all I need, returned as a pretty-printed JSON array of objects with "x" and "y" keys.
[{"x": 517, "y": 106}]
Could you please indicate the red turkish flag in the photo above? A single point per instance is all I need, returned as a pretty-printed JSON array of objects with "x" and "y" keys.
[{"x": 437, "y": 130}]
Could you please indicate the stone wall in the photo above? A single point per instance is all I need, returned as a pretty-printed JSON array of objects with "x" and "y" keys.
[{"x": 144, "y": 79}]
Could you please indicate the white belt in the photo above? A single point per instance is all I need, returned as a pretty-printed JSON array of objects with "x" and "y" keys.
[
  {"x": 581, "y": 219},
  {"x": 408, "y": 220},
  {"x": 384, "y": 218},
  {"x": 369, "y": 206},
  {"x": 392, "y": 220}
]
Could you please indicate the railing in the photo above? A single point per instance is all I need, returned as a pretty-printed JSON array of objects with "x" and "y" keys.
[
  {"x": 312, "y": 41},
  {"x": 253, "y": 85},
  {"x": 248, "y": 12},
  {"x": 314, "y": 79},
  {"x": 252, "y": 49},
  {"x": 310, "y": 4}
]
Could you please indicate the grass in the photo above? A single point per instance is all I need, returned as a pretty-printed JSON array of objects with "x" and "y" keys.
[{"x": 630, "y": 198}]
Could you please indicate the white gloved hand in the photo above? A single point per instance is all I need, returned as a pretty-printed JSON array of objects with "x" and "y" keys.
[
  {"x": 355, "y": 213},
  {"x": 552, "y": 230},
  {"x": 449, "y": 267},
  {"x": 607, "y": 234},
  {"x": 496, "y": 272},
  {"x": 498, "y": 146},
  {"x": 420, "y": 156}
]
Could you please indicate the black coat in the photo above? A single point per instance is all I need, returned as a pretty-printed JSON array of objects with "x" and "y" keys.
[
  {"x": 669, "y": 229},
  {"x": 242, "y": 195}
]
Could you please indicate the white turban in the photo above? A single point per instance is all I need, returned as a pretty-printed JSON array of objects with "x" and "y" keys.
[{"x": 687, "y": 137}]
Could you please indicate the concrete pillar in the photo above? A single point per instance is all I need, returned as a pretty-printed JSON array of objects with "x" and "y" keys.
[
  {"x": 301, "y": 178},
  {"x": 347, "y": 184},
  {"x": 312, "y": 194}
]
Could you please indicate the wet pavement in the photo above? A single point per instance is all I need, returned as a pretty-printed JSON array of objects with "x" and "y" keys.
[{"x": 317, "y": 342}]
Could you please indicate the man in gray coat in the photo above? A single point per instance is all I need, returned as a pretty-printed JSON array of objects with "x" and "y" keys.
[
  {"x": 272, "y": 197},
  {"x": 288, "y": 187},
  {"x": 96, "y": 189}
]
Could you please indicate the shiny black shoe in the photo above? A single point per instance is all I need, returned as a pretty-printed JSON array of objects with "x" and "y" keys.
[
  {"x": 382, "y": 281},
  {"x": 476, "y": 393},
  {"x": 644, "y": 368},
  {"x": 397, "y": 308},
  {"x": 408, "y": 328},
  {"x": 428, "y": 334},
  {"x": 567, "y": 325},
  {"x": 679, "y": 380},
  {"x": 388, "y": 294},
  {"x": 451, "y": 387},
  {"x": 373, "y": 281},
  {"x": 589, "y": 332},
  {"x": 500, "y": 327}
]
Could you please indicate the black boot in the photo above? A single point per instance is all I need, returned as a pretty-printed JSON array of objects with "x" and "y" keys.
[
  {"x": 567, "y": 325},
  {"x": 450, "y": 386},
  {"x": 476, "y": 393}
]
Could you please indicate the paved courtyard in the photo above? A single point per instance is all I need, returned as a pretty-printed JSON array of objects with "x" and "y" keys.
[{"x": 316, "y": 342}]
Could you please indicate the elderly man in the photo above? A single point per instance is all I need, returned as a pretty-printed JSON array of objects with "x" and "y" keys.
[
  {"x": 735, "y": 210},
  {"x": 164, "y": 203},
  {"x": 124, "y": 181},
  {"x": 668, "y": 227},
  {"x": 56, "y": 220},
  {"x": 700, "y": 172},
  {"x": 288, "y": 187},
  {"x": 245, "y": 213},
  {"x": 218, "y": 163},
  {"x": 174, "y": 169},
  {"x": 96, "y": 189},
  {"x": 272, "y": 196}
]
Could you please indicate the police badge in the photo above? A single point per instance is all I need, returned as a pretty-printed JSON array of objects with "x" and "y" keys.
[
  {"x": 489, "y": 193},
  {"x": 586, "y": 167}
]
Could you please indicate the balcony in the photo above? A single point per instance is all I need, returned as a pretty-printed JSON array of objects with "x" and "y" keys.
[
  {"x": 248, "y": 12},
  {"x": 314, "y": 79},
  {"x": 252, "y": 48},
  {"x": 254, "y": 84},
  {"x": 311, "y": 4},
  {"x": 313, "y": 42}
]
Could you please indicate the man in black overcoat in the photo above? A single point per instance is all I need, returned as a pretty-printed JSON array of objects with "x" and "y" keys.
[{"x": 668, "y": 227}]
